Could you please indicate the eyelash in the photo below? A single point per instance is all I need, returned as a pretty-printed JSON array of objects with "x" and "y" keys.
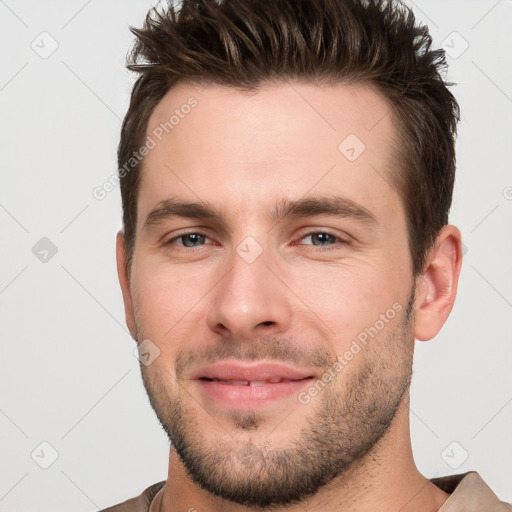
[
  {"x": 337, "y": 240},
  {"x": 310, "y": 233}
]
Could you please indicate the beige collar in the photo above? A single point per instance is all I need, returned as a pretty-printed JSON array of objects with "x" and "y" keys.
[{"x": 472, "y": 494}]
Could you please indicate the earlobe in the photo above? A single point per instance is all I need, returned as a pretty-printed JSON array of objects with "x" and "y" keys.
[
  {"x": 437, "y": 286},
  {"x": 124, "y": 281}
]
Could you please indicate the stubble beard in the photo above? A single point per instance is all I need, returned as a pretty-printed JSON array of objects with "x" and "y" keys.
[{"x": 351, "y": 416}]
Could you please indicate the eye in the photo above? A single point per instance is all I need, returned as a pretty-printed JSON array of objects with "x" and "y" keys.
[
  {"x": 189, "y": 240},
  {"x": 323, "y": 239}
]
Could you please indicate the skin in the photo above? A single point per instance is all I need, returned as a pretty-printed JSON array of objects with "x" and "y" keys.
[{"x": 242, "y": 153}]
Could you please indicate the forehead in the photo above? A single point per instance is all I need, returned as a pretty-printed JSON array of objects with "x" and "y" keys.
[{"x": 242, "y": 149}]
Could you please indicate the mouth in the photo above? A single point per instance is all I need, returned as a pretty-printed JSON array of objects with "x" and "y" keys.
[
  {"x": 246, "y": 386},
  {"x": 274, "y": 380}
]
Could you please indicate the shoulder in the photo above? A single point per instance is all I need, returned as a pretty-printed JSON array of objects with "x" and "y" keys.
[
  {"x": 469, "y": 491},
  {"x": 140, "y": 503}
]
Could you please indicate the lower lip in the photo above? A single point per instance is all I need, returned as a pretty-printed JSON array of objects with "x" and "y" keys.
[{"x": 247, "y": 397}]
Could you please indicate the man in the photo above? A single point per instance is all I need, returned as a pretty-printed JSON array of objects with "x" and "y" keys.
[{"x": 286, "y": 173}]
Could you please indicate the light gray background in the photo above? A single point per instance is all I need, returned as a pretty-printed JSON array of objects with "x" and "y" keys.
[{"x": 68, "y": 374}]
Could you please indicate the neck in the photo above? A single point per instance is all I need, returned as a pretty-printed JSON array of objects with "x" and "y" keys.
[{"x": 386, "y": 479}]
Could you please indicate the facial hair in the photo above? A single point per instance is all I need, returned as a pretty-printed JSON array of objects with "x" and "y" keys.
[{"x": 351, "y": 416}]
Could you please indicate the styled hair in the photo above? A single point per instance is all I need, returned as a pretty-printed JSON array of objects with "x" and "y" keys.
[{"x": 245, "y": 44}]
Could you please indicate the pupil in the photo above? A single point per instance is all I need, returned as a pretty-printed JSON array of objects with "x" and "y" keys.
[
  {"x": 322, "y": 237},
  {"x": 194, "y": 237}
]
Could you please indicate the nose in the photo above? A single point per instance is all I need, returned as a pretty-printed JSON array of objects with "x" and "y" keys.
[{"x": 250, "y": 300}]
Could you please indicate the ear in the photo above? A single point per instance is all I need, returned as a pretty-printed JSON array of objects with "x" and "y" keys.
[
  {"x": 436, "y": 288},
  {"x": 124, "y": 281}
]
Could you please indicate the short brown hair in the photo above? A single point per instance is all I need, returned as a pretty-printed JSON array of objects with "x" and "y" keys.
[{"x": 246, "y": 43}]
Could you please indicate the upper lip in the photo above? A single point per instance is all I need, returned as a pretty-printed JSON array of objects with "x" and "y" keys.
[{"x": 249, "y": 372}]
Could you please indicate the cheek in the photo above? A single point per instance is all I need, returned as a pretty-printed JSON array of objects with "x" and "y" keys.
[
  {"x": 164, "y": 300},
  {"x": 346, "y": 300}
]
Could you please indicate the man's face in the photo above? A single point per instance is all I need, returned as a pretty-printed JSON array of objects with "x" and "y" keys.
[{"x": 322, "y": 287}]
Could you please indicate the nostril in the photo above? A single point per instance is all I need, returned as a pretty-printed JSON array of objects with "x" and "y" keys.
[{"x": 268, "y": 322}]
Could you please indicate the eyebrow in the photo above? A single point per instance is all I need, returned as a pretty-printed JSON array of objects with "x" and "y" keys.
[
  {"x": 284, "y": 208},
  {"x": 172, "y": 207},
  {"x": 322, "y": 205}
]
